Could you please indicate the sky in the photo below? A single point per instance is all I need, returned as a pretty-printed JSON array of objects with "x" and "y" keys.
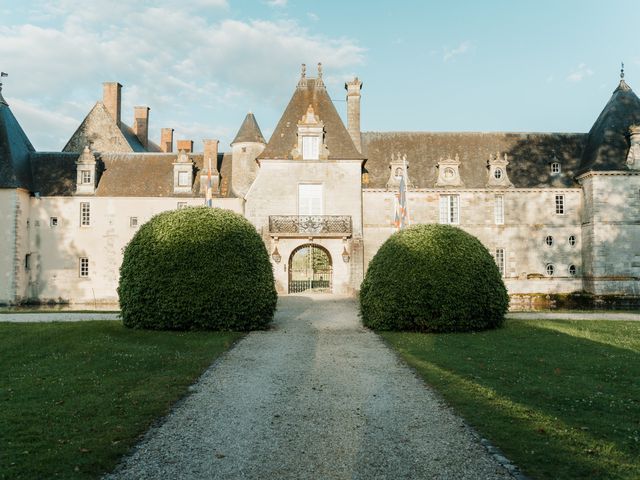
[{"x": 201, "y": 65}]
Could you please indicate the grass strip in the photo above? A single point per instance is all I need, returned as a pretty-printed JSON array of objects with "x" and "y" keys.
[
  {"x": 561, "y": 398},
  {"x": 75, "y": 396}
]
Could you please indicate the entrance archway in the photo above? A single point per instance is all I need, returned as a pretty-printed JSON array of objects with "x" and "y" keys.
[{"x": 310, "y": 269}]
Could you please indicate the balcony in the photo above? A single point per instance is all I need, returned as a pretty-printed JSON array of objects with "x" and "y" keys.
[{"x": 310, "y": 225}]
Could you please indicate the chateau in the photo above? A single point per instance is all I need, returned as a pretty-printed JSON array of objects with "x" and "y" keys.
[{"x": 560, "y": 212}]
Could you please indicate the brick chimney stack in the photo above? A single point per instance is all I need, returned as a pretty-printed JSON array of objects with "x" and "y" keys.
[
  {"x": 112, "y": 99},
  {"x": 210, "y": 152},
  {"x": 166, "y": 140},
  {"x": 186, "y": 145},
  {"x": 353, "y": 111},
  {"x": 141, "y": 124}
]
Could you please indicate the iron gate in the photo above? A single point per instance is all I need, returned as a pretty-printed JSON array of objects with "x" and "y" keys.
[{"x": 310, "y": 269}]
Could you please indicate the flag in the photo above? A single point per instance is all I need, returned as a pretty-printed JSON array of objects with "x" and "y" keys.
[{"x": 402, "y": 214}]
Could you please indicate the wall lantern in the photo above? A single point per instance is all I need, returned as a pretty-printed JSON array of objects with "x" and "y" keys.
[
  {"x": 345, "y": 255},
  {"x": 276, "y": 255}
]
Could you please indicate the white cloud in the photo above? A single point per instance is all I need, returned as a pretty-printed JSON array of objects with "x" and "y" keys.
[
  {"x": 461, "y": 49},
  {"x": 277, "y": 3},
  {"x": 190, "y": 69},
  {"x": 580, "y": 73}
]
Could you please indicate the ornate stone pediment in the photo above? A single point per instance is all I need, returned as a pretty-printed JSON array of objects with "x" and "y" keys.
[
  {"x": 449, "y": 172},
  {"x": 395, "y": 171},
  {"x": 497, "y": 171},
  {"x": 311, "y": 132},
  {"x": 633, "y": 157}
]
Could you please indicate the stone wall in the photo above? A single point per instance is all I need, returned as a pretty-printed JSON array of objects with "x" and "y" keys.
[
  {"x": 57, "y": 245},
  {"x": 611, "y": 232},
  {"x": 529, "y": 218}
]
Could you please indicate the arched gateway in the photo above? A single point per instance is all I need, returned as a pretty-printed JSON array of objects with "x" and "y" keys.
[{"x": 310, "y": 269}]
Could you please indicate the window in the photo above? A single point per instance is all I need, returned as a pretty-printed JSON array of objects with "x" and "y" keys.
[
  {"x": 184, "y": 179},
  {"x": 548, "y": 240},
  {"x": 133, "y": 221},
  {"x": 399, "y": 173},
  {"x": 572, "y": 240},
  {"x": 559, "y": 204},
  {"x": 85, "y": 176},
  {"x": 555, "y": 168},
  {"x": 84, "y": 267},
  {"x": 572, "y": 270},
  {"x": 498, "y": 209},
  {"x": 27, "y": 261},
  {"x": 53, "y": 221},
  {"x": 182, "y": 205},
  {"x": 500, "y": 261},
  {"x": 450, "y": 209},
  {"x": 85, "y": 214},
  {"x": 309, "y": 199},
  {"x": 497, "y": 173},
  {"x": 550, "y": 270},
  {"x": 310, "y": 148}
]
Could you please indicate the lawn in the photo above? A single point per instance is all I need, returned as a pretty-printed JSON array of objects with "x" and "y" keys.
[
  {"x": 74, "y": 397},
  {"x": 560, "y": 398}
]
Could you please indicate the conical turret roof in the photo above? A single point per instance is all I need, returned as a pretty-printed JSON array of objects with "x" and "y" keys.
[
  {"x": 608, "y": 141},
  {"x": 249, "y": 131},
  {"x": 15, "y": 150}
]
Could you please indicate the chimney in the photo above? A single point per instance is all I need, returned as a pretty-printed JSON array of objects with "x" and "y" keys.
[
  {"x": 210, "y": 152},
  {"x": 112, "y": 99},
  {"x": 186, "y": 145},
  {"x": 166, "y": 140},
  {"x": 353, "y": 111},
  {"x": 141, "y": 124}
]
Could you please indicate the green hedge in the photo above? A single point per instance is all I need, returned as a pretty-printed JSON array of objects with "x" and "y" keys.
[
  {"x": 197, "y": 268},
  {"x": 433, "y": 278}
]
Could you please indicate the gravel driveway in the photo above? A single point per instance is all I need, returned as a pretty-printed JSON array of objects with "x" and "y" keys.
[{"x": 317, "y": 397}]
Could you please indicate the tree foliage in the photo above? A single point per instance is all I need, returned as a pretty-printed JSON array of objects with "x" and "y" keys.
[
  {"x": 433, "y": 278},
  {"x": 197, "y": 268}
]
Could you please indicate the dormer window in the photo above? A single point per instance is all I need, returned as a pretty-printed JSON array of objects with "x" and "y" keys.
[
  {"x": 310, "y": 148},
  {"x": 555, "y": 168},
  {"x": 310, "y": 145},
  {"x": 184, "y": 179},
  {"x": 85, "y": 177}
]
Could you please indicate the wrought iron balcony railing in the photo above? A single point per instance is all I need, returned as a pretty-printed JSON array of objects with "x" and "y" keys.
[{"x": 307, "y": 225}]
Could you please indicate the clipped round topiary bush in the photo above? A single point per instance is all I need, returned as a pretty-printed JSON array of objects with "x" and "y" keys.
[
  {"x": 197, "y": 268},
  {"x": 433, "y": 278}
]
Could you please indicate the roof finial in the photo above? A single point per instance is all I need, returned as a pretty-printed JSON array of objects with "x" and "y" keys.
[
  {"x": 320, "y": 70},
  {"x": 622, "y": 70},
  {"x": 303, "y": 73}
]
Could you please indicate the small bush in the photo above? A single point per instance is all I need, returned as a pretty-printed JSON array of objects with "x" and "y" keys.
[
  {"x": 197, "y": 269},
  {"x": 433, "y": 278}
]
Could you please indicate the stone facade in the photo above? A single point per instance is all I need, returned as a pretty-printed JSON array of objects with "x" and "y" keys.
[{"x": 559, "y": 212}]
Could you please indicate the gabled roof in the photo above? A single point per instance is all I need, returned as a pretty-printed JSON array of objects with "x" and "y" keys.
[
  {"x": 15, "y": 149},
  {"x": 122, "y": 174},
  {"x": 608, "y": 144},
  {"x": 529, "y": 156},
  {"x": 249, "y": 131},
  {"x": 100, "y": 132},
  {"x": 284, "y": 138}
]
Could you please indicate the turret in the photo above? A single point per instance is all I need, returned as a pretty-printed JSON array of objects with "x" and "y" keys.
[{"x": 245, "y": 148}]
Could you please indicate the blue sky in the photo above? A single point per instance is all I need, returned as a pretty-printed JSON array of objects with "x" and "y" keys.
[{"x": 201, "y": 65}]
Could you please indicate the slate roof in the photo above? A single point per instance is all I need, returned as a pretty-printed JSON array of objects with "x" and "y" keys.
[
  {"x": 121, "y": 174},
  {"x": 529, "y": 155},
  {"x": 284, "y": 137},
  {"x": 249, "y": 131},
  {"x": 15, "y": 149},
  {"x": 100, "y": 132},
  {"x": 608, "y": 143}
]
